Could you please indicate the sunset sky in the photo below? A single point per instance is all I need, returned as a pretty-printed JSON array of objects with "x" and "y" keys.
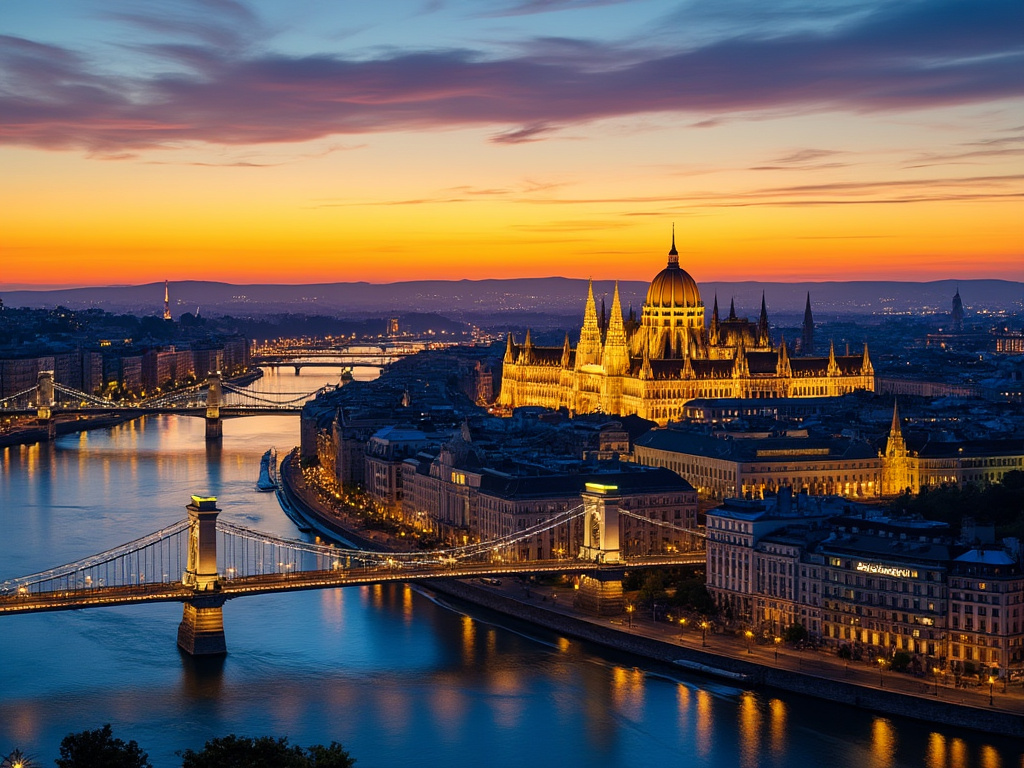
[{"x": 303, "y": 142}]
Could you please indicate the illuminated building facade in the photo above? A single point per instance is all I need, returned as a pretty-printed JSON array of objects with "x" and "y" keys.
[{"x": 654, "y": 367}]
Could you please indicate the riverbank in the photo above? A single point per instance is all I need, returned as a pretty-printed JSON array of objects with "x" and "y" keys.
[{"x": 811, "y": 674}]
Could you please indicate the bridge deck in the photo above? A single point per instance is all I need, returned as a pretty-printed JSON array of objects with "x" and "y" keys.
[{"x": 304, "y": 580}]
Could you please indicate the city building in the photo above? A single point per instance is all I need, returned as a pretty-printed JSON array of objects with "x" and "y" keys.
[{"x": 654, "y": 367}]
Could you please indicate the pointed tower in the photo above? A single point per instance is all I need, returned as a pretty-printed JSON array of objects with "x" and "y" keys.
[
  {"x": 957, "y": 319},
  {"x": 732, "y": 309},
  {"x": 566, "y": 352},
  {"x": 673, "y": 254},
  {"x": 898, "y": 466},
  {"x": 588, "y": 351},
  {"x": 763, "y": 334},
  {"x": 167, "y": 302},
  {"x": 602, "y": 320},
  {"x": 715, "y": 333},
  {"x": 646, "y": 372},
  {"x": 833, "y": 364},
  {"x": 866, "y": 368},
  {"x": 807, "y": 345},
  {"x": 616, "y": 352},
  {"x": 510, "y": 350},
  {"x": 687, "y": 373},
  {"x": 526, "y": 354},
  {"x": 783, "y": 367},
  {"x": 740, "y": 366}
]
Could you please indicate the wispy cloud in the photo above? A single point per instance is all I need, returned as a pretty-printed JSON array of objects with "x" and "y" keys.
[{"x": 223, "y": 88}]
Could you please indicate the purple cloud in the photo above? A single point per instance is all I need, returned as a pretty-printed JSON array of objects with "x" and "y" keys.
[{"x": 912, "y": 55}]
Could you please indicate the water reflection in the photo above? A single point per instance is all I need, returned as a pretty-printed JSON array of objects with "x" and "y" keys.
[
  {"x": 750, "y": 730},
  {"x": 883, "y": 743},
  {"x": 777, "y": 727}
]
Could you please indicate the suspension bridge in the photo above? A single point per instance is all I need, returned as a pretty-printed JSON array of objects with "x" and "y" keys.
[
  {"x": 202, "y": 561},
  {"x": 213, "y": 400}
]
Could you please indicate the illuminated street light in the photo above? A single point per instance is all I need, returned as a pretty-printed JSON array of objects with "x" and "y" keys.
[
  {"x": 682, "y": 623},
  {"x": 935, "y": 676},
  {"x": 750, "y": 636},
  {"x": 629, "y": 614},
  {"x": 991, "y": 683},
  {"x": 778, "y": 642},
  {"x": 881, "y": 667},
  {"x": 704, "y": 634}
]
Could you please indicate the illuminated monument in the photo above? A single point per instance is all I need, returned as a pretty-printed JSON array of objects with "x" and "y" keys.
[{"x": 654, "y": 367}]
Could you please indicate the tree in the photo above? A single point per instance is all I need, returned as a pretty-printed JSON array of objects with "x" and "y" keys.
[
  {"x": 99, "y": 749},
  {"x": 794, "y": 633},
  {"x": 264, "y": 752}
]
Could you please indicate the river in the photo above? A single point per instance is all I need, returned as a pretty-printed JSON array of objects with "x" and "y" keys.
[{"x": 396, "y": 677}]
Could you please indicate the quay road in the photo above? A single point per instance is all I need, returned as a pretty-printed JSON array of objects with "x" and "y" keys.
[
  {"x": 822, "y": 664},
  {"x": 175, "y": 591}
]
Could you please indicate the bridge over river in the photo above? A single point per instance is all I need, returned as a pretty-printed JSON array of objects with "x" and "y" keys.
[{"x": 203, "y": 562}]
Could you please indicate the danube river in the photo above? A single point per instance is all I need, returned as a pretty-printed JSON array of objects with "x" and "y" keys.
[{"x": 396, "y": 677}]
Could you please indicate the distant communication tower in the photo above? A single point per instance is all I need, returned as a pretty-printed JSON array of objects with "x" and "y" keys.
[{"x": 167, "y": 302}]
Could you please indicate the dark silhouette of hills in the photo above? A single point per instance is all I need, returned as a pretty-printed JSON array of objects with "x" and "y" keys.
[{"x": 506, "y": 300}]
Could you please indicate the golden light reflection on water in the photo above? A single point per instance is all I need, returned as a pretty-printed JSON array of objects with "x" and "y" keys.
[
  {"x": 705, "y": 722},
  {"x": 935, "y": 755},
  {"x": 684, "y": 704},
  {"x": 377, "y": 596},
  {"x": 468, "y": 641},
  {"x": 750, "y": 730},
  {"x": 393, "y": 705},
  {"x": 508, "y": 704},
  {"x": 448, "y": 706},
  {"x": 958, "y": 754},
  {"x": 778, "y": 715},
  {"x": 564, "y": 645},
  {"x": 628, "y": 688},
  {"x": 990, "y": 758},
  {"x": 407, "y": 603},
  {"x": 332, "y": 607},
  {"x": 883, "y": 743}
]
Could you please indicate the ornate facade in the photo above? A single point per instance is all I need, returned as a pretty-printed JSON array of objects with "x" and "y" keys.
[{"x": 670, "y": 357}]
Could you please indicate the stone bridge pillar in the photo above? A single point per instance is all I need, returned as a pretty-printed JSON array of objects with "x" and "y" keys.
[
  {"x": 214, "y": 394},
  {"x": 298, "y": 369},
  {"x": 201, "y": 632},
  {"x": 45, "y": 402},
  {"x": 600, "y": 593}
]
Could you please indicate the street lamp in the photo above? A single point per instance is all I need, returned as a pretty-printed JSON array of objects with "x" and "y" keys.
[
  {"x": 778, "y": 642},
  {"x": 682, "y": 623},
  {"x": 704, "y": 634},
  {"x": 935, "y": 674},
  {"x": 629, "y": 614},
  {"x": 991, "y": 683},
  {"x": 750, "y": 636},
  {"x": 881, "y": 668}
]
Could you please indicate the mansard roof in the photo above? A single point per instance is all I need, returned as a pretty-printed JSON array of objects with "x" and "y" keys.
[
  {"x": 767, "y": 450},
  {"x": 629, "y": 480}
]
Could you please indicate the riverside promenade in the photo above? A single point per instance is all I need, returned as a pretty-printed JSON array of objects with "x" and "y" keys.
[{"x": 813, "y": 673}]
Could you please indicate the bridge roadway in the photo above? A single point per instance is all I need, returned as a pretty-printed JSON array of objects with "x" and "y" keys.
[
  {"x": 175, "y": 591},
  {"x": 226, "y": 411}
]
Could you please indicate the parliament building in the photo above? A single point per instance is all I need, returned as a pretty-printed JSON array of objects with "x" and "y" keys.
[{"x": 653, "y": 367}]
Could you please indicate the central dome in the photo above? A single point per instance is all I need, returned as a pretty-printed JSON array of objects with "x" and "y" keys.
[{"x": 673, "y": 287}]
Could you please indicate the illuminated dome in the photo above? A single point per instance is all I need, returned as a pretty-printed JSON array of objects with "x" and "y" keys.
[{"x": 673, "y": 287}]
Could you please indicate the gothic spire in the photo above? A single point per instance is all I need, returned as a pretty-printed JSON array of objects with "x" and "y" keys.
[
  {"x": 732, "y": 309},
  {"x": 763, "y": 334},
  {"x": 894, "y": 429},
  {"x": 866, "y": 368},
  {"x": 510, "y": 349},
  {"x": 783, "y": 368},
  {"x": 616, "y": 350},
  {"x": 807, "y": 345},
  {"x": 566, "y": 351},
  {"x": 673, "y": 254},
  {"x": 833, "y": 364}
]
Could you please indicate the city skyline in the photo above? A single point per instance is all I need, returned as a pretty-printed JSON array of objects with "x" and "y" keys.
[{"x": 248, "y": 143}]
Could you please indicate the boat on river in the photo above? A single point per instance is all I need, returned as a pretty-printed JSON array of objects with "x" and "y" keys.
[{"x": 267, "y": 481}]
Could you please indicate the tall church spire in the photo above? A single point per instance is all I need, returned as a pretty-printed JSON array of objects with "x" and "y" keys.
[
  {"x": 588, "y": 351},
  {"x": 866, "y": 368},
  {"x": 807, "y": 345},
  {"x": 510, "y": 349},
  {"x": 763, "y": 334},
  {"x": 616, "y": 352},
  {"x": 715, "y": 332},
  {"x": 673, "y": 254},
  {"x": 732, "y": 309}
]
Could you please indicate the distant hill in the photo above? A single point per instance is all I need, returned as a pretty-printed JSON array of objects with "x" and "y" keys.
[{"x": 501, "y": 299}]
